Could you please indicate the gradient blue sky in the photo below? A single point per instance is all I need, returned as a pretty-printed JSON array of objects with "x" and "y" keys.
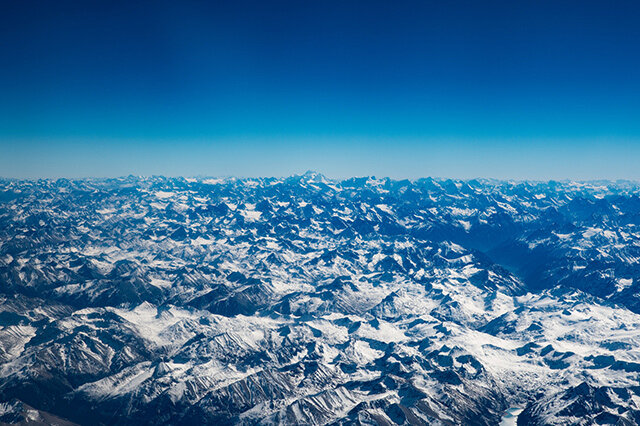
[{"x": 506, "y": 89}]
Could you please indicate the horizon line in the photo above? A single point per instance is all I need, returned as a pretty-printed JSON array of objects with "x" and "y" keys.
[{"x": 200, "y": 178}]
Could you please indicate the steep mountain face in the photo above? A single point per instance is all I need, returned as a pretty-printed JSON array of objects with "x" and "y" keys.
[{"x": 311, "y": 301}]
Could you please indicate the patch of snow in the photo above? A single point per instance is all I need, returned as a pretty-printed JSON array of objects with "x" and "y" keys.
[{"x": 164, "y": 194}]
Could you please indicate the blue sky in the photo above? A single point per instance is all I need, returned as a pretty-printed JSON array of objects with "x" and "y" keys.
[{"x": 523, "y": 90}]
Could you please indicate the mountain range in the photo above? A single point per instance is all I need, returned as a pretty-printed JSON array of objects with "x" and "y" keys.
[{"x": 308, "y": 300}]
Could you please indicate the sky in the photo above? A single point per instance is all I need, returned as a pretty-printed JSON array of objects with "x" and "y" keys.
[{"x": 462, "y": 89}]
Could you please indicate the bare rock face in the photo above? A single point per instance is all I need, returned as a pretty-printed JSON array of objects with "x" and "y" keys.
[{"x": 311, "y": 301}]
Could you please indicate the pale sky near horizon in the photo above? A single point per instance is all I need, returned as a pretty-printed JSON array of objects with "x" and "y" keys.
[{"x": 414, "y": 159}]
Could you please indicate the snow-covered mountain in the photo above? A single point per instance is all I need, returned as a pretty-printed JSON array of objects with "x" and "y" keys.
[{"x": 312, "y": 301}]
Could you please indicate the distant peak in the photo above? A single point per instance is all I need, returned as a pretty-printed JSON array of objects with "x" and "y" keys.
[{"x": 313, "y": 176}]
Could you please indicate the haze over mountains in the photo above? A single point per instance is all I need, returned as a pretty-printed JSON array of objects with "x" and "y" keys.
[{"x": 307, "y": 300}]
